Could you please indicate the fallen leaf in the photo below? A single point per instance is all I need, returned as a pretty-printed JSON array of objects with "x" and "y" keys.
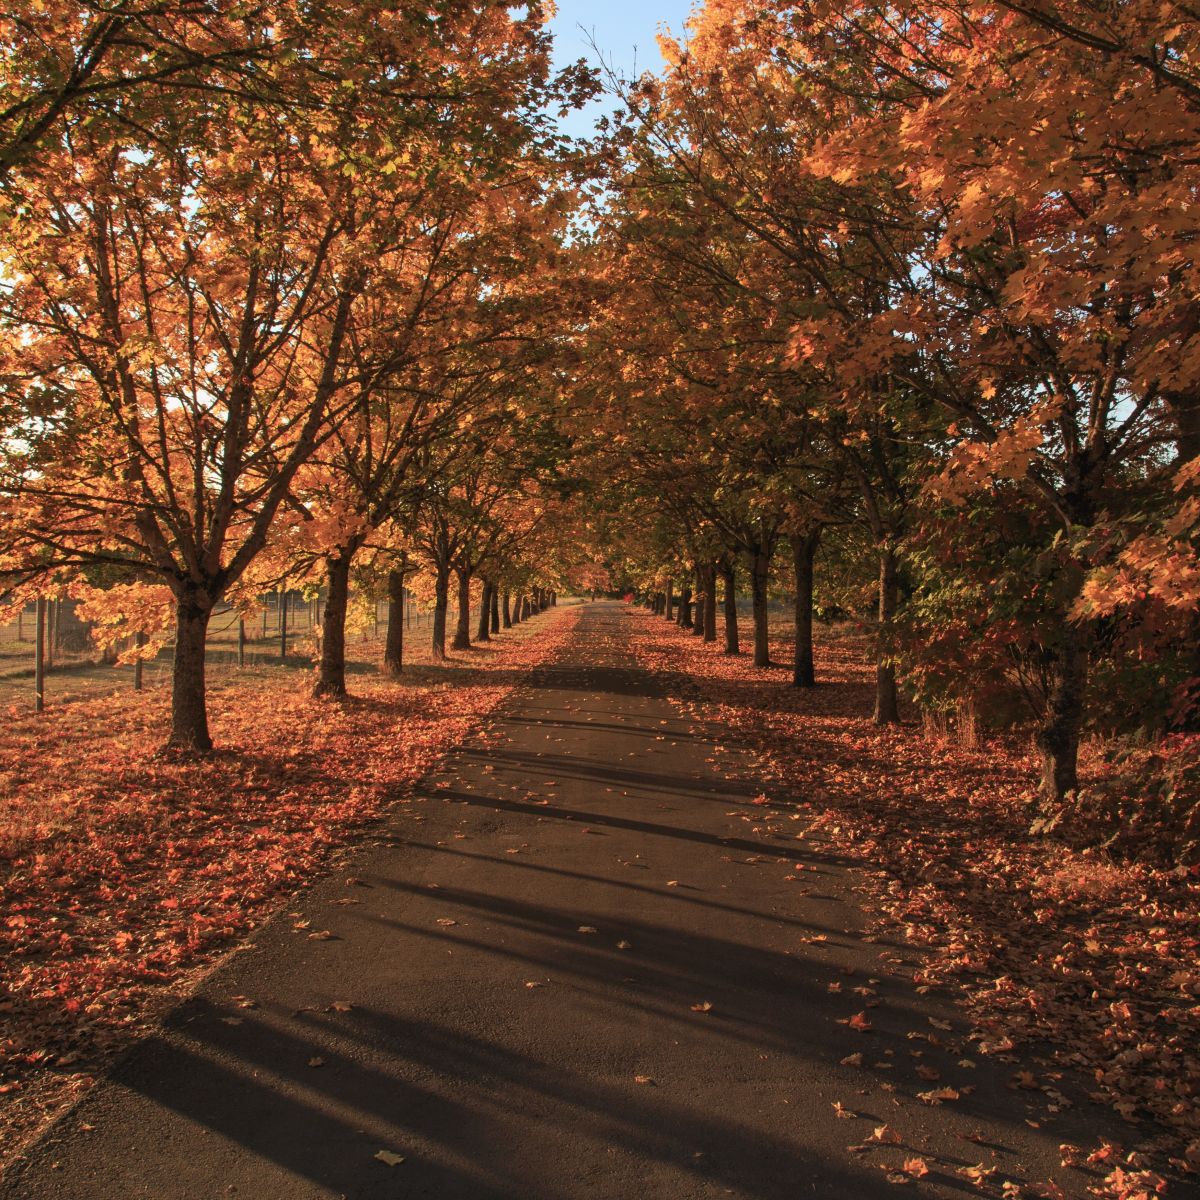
[{"x": 392, "y": 1160}]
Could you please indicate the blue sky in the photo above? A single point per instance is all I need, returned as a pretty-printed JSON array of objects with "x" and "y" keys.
[{"x": 624, "y": 32}]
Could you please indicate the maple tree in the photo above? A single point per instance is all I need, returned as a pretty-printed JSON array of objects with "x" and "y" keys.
[
  {"x": 972, "y": 319},
  {"x": 166, "y": 398},
  {"x": 886, "y": 313}
]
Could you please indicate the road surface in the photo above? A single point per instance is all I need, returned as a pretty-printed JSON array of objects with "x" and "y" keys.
[{"x": 568, "y": 969}]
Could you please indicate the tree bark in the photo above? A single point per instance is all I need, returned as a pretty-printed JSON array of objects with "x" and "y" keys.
[
  {"x": 668, "y": 607},
  {"x": 39, "y": 659},
  {"x": 139, "y": 667},
  {"x": 483, "y": 631},
  {"x": 1185, "y": 408},
  {"x": 887, "y": 700},
  {"x": 732, "y": 641},
  {"x": 506, "y": 611},
  {"x": 685, "y": 608},
  {"x": 393, "y": 647},
  {"x": 331, "y": 675},
  {"x": 189, "y": 710},
  {"x": 494, "y": 609},
  {"x": 760, "y": 575},
  {"x": 462, "y": 632},
  {"x": 710, "y": 605},
  {"x": 526, "y": 608},
  {"x": 1058, "y": 737},
  {"x": 441, "y": 603},
  {"x": 700, "y": 615},
  {"x": 804, "y": 550}
]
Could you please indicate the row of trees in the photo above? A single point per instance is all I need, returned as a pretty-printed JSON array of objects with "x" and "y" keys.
[
  {"x": 273, "y": 304},
  {"x": 912, "y": 289}
]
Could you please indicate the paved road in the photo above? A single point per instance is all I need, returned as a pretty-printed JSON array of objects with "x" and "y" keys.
[{"x": 507, "y": 1000}]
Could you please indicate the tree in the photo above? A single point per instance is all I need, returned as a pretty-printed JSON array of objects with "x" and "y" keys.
[{"x": 176, "y": 325}]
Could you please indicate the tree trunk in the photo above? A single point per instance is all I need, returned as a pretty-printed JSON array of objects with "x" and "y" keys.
[
  {"x": 526, "y": 608},
  {"x": 506, "y": 611},
  {"x": 804, "y": 550},
  {"x": 1185, "y": 408},
  {"x": 441, "y": 603},
  {"x": 685, "y": 608},
  {"x": 701, "y": 613},
  {"x": 732, "y": 641},
  {"x": 483, "y": 631},
  {"x": 494, "y": 609},
  {"x": 710, "y": 605},
  {"x": 668, "y": 608},
  {"x": 887, "y": 701},
  {"x": 760, "y": 576},
  {"x": 1058, "y": 737},
  {"x": 189, "y": 712},
  {"x": 139, "y": 667},
  {"x": 331, "y": 674},
  {"x": 393, "y": 647},
  {"x": 39, "y": 659},
  {"x": 462, "y": 632}
]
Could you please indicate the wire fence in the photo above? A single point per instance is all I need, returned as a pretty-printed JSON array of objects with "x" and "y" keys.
[{"x": 283, "y": 633}]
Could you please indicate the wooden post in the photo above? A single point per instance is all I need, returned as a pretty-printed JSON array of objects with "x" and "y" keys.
[
  {"x": 39, "y": 660},
  {"x": 283, "y": 615},
  {"x": 241, "y": 641},
  {"x": 138, "y": 682}
]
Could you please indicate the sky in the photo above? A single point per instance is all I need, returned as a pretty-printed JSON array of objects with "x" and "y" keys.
[{"x": 624, "y": 32}]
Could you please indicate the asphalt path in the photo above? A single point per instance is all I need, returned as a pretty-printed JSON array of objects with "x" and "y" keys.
[{"x": 571, "y": 967}]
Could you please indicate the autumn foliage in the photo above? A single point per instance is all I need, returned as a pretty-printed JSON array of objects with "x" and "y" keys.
[{"x": 886, "y": 313}]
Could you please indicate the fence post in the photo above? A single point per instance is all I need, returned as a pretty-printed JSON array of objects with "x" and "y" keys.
[
  {"x": 39, "y": 661},
  {"x": 283, "y": 614},
  {"x": 241, "y": 641}
]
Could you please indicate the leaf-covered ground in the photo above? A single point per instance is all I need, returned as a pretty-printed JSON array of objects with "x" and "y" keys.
[
  {"x": 123, "y": 870},
  {"x": 1097, "y": 962}
]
